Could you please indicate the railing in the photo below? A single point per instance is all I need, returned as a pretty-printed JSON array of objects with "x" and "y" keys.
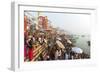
[{"x": 40, "y": 49}]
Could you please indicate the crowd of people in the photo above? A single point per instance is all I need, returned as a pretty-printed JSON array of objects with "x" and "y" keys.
[
  {"x": 55, "y": 48},
  {"x": 41, "y": 45}
]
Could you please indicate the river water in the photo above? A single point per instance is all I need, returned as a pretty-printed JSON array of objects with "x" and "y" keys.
[{"x": 82, "y": 42}]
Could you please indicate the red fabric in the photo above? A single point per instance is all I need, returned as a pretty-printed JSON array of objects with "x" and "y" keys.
[{"x": 30, "y": 54}]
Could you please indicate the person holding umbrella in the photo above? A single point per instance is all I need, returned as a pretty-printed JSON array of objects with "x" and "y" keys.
[{"x": 77, "y": 52}]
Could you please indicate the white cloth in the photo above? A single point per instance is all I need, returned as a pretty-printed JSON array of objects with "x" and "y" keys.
[
  {"x": 66, "y": 56},
  {"x": 56, "y": 55}
]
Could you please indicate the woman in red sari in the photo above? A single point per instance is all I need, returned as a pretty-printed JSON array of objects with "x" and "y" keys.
[{"x": 30, "y": 54}]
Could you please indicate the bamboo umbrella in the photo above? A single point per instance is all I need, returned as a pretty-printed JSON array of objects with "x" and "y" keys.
[{"x": 60, "y": 44}]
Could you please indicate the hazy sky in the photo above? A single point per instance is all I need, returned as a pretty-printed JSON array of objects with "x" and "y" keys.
[{"x": 74, "y": 23}]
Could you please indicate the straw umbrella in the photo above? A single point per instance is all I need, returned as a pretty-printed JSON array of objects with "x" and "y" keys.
[{"x": 60, "y": 44}]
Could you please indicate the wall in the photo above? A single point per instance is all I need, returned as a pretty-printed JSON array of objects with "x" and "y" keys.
[{"x": 5, "y": 27}]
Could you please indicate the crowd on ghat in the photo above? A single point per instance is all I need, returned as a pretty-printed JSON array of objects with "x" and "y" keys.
[{"x": 44, "y": 46}]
